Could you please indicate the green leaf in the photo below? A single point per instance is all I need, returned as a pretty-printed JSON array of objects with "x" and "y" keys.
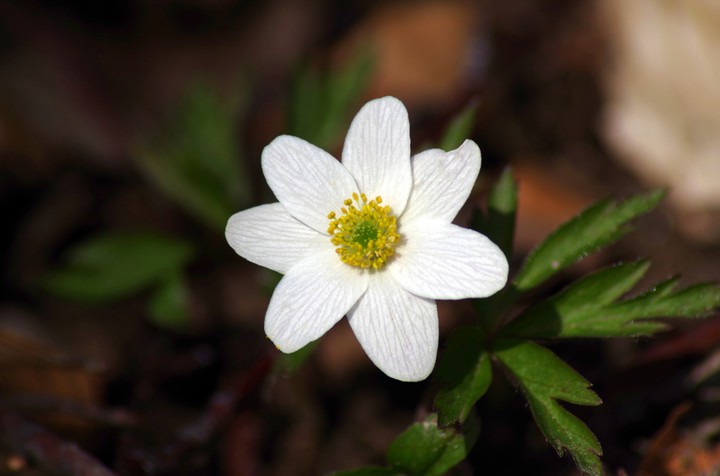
[
  {"x": 590, "y": 307},
  {"x": 465, "y": 374},
  {"x": 305, "y": 108},
  {"x": 499, "y": 225},
  {"x": 459, "y": 128},
  {"x": 544, "y": 379},
  {"x": 369, "y": 471},
  {"x": 426, "y": 450},
  {"x": 596, "y": 227},
  {"x": 694, "y": 301},
  {"x": 578, "y": 310},
  {"x": 321, "y": 104},
  {"x": 195, "y": 158},
  {"x": 168, "y": 307},
  {"x": 115, "y": 266},
  {"x": 344, "y": 88}
]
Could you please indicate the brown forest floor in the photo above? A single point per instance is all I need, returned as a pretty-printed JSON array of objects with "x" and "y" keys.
[{"x": 77, "y": 83}]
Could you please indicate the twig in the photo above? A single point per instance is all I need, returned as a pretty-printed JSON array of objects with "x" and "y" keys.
[
  {"x": 42, "y": 403},
  {"x": 223, "y": 404},
  {"x": 197, "y": 433},
  {"x": 52, "y": 454}
]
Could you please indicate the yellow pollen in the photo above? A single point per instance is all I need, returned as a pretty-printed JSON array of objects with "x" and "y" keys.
[{"x": 364, "y": 235}]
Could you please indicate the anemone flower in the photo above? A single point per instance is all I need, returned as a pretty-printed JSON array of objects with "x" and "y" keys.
[{"x": 370, "y": 237}]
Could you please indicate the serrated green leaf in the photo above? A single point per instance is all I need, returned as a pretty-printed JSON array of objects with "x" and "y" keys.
[
  {"x": 195, "y": 160},
  {"x": 578, "y": 310},
  {"x": 168, "y": 307},
  {"x": 465, "y": 374},
  {"x": 544, "y": 379},
  {"x": 694, "y": 301},
  {"x": 540, "y": 369},
  {"x": 115, "y": 266},
  {"x": 589, "y": 307},
  {"x": 663, "y": 288},
  {"x": 459, "y": 128},
  {"x": 564, "y": 431},
  {"x": 321, "y": 104},
  {"x": 457, "y": 448},
  {"x": 426, "y": 450},
  {"x": 370, "y": 471},
  {"x": 596, "y": 227}
]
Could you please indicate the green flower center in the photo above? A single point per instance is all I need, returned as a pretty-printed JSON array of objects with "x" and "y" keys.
[{"x": 365, "y": 235}]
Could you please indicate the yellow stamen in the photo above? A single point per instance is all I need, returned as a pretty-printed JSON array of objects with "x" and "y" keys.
[{"x": 364, "y": 236}]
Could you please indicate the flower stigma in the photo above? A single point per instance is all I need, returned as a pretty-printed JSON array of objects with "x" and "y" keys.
[{"x": 365, "y": 235}]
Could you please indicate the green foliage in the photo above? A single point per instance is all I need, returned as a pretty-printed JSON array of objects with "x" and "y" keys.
[
  {"x": 590, "y": 306},
  {"x": 544, "y": 379},
  {"x": 195, "y": 158},
  {"x": 594, "y": 306},
  {"x": 596, "y": 227},
  {"x": 694, "y": 301},
  {"x": 115, "y": 266},
  {"x": 465, "y": 373},
  {"x": 459, "y": 128},
  {"x": 321, "y": 104},
  {"x": 168, "y": 306},
  {"x": 424, "y": 449},
  {"x": 499, "y": 224}
]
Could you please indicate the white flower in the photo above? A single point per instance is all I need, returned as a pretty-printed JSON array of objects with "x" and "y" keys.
[{"x": 370, "y": 237}]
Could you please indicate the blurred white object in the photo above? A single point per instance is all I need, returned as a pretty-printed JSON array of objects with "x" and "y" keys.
[{"x": 663, "y": 115}]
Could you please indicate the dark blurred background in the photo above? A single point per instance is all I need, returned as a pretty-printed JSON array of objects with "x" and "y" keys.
[{"x": 131, "y": 130}]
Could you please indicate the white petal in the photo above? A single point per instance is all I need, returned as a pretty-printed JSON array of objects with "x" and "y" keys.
[
  {"x": 314, "y": 294},
  {"x": 377, "y": 152},
  {"x": 267, "y": 235},
  {"x": 308, "y": 181},
  {"x": 399, "y": 331},
  {"x": 442, "y": 182},
  {"x": 440, "y": 260}
]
